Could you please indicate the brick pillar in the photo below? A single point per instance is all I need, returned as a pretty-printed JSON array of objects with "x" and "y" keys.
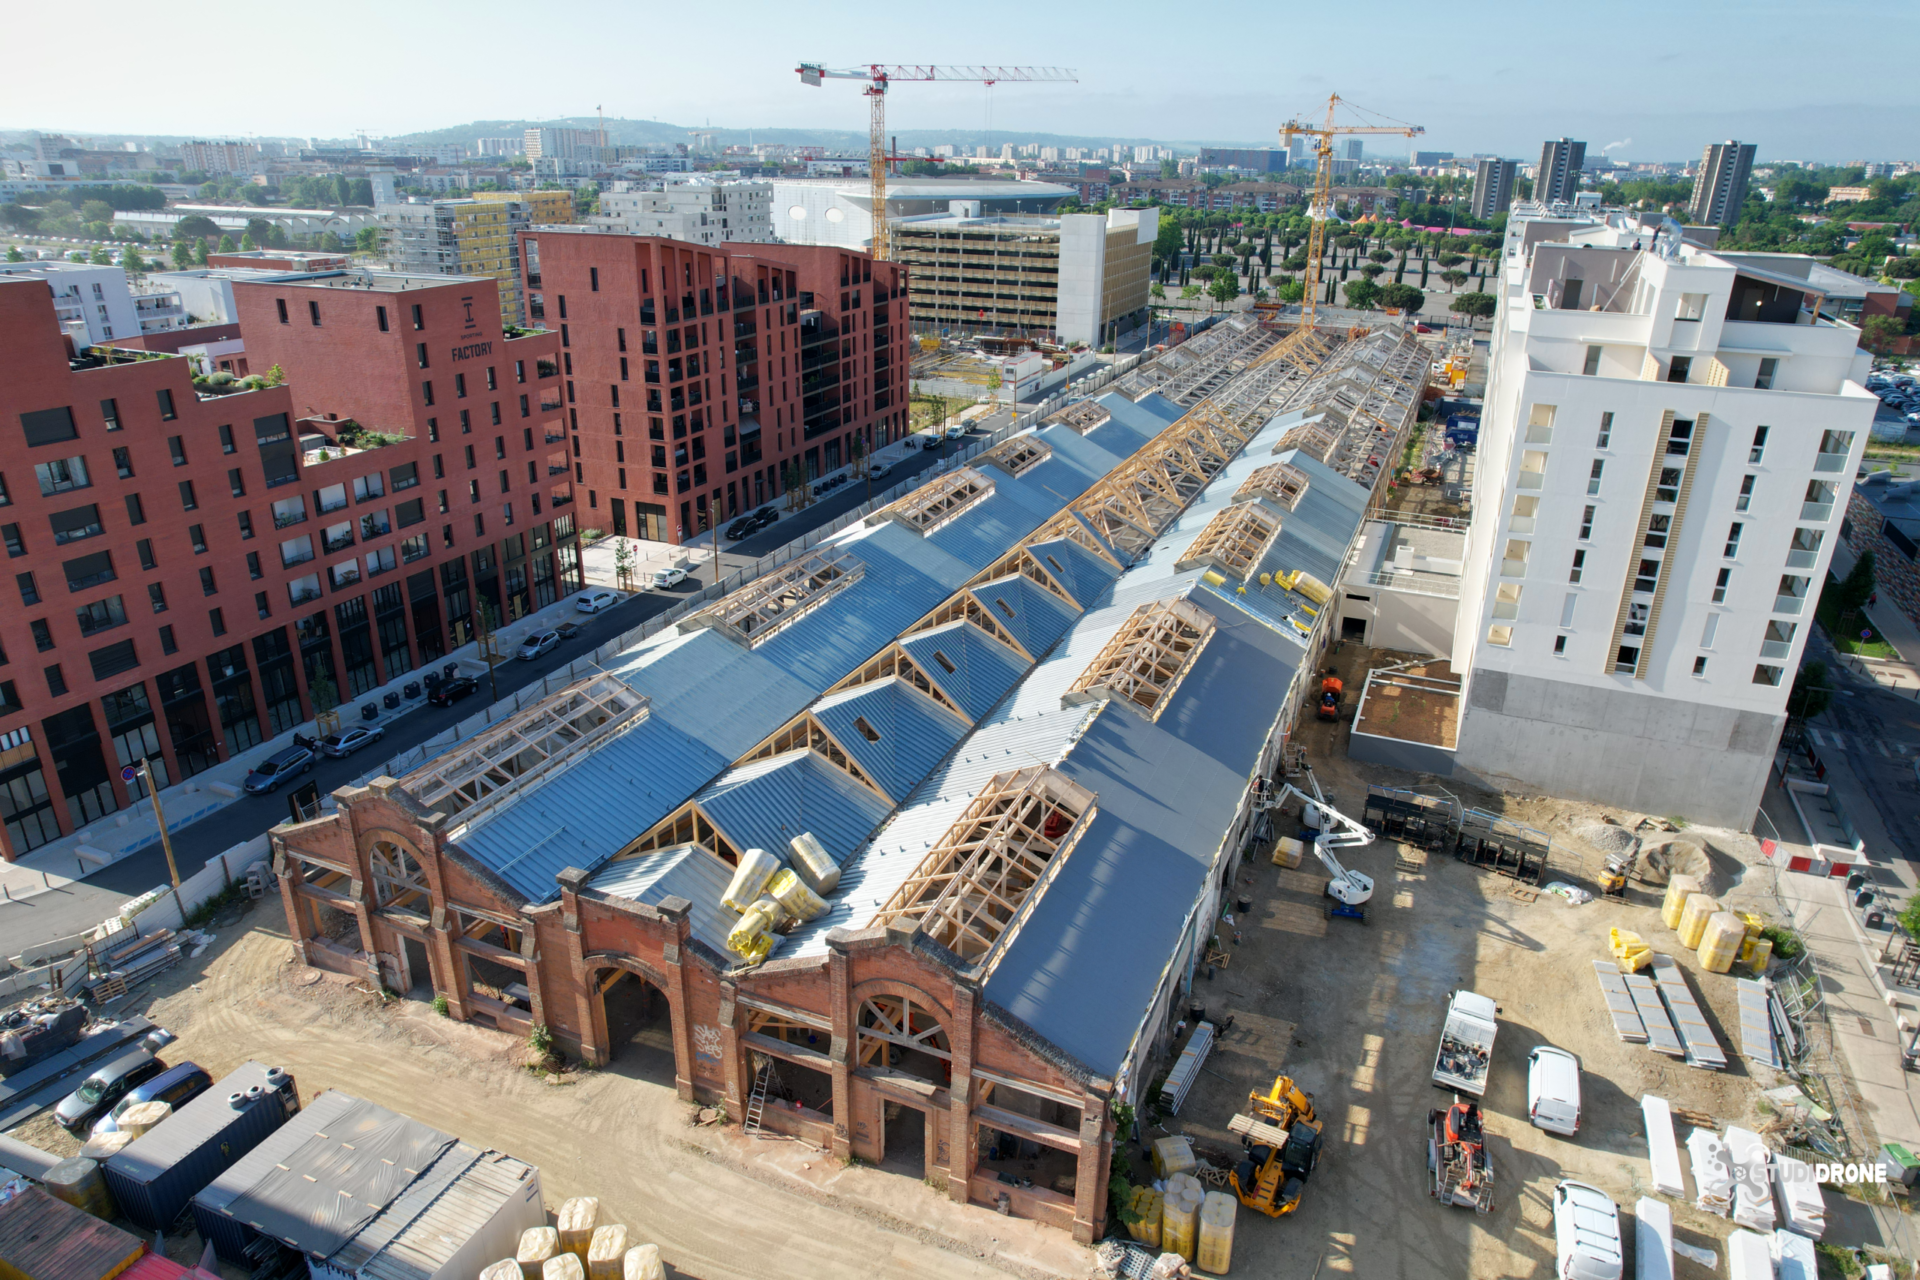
[
  {"x": 732, "y": 1051},
  {"x": 1090, "y": 1183},
  {"x": 678, "y": 996},
  {"x": 530, "y": 952},
  {"x": 300, "y": 924},
  {"x": 840, "y": 1002},
  {"x": 362, "y": 895},
  {"x": 593, "y": 1036},
  {"x": 963, "y": 1141},
  {"x": 449, "y": 974}
]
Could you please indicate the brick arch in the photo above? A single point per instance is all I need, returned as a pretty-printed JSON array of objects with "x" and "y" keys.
[
  {"x": 394, "y": 871},
  {"x": 596, "y": 961},
  {"x": 890, "y": 1006}
]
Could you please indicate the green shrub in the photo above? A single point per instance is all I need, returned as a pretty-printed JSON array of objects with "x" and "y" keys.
[
  {"x": 440, "y": 1005},
  {"x": 1786, "y": 943}
]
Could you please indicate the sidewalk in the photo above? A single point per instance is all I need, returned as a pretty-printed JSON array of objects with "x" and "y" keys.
[{"x": 1895, "y": 627}]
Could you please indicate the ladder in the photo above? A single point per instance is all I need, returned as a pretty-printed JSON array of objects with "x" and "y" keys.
[{"x": 757, "y": 1101}]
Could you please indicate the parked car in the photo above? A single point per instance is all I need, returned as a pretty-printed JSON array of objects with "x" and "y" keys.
[
  {"x": 1423, "y": 328},
  {"x": 176, "y": 1086},
  {"x": 347, "y": 741},
  {"x": 1586, "y": 1233},
  {"x": 765, "y": 516},
  {"x": 538, "y": 643},
  {"x": 671, "y": 576},
  {"x": 956, "y": 431},
  {"x": 451, "y": 691},
  {"x": 1553, "y": 1090},
  {"x": 595, "y": 601},
  {"x": 741, "y": 528},
  {"x": 100, "y": 1091},
  {"x": 277, "y": 768}
]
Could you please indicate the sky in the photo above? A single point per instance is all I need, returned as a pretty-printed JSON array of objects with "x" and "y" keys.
[{"x": 1657, "y": 82}]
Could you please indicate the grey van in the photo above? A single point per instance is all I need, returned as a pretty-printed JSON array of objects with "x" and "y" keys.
[{"x": 105, "y": 1087}]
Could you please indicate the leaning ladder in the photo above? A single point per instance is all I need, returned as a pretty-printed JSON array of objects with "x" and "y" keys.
[{"x": 757, "y": 1101}]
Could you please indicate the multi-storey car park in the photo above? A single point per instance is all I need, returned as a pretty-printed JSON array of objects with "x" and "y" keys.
[
  {"x": 1016, "y": 723},
  {"x": 186, "y": 566}
]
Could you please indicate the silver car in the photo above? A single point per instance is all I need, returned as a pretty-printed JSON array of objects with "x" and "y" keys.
[{"x": 536, "y": 644}]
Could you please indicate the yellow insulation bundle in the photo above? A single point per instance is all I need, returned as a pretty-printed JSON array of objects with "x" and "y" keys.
[
  {"x": 1214, "y": 1252},
  {"x": 1146, "y": 1226},
  {"x": 643, "y": 1263},
  {"x": 80, "y": 1183},
  {"x": 1180, "y": 1220},
  {"x": 1762, "y": 952},
  {"x": 1720, "y": 941},
  {"x": 1678, "y": 890},
  {"x": 750, "y": 877},
  {"x": 607, "y": 1252},
  {"x": 576, "y": 1220},
  {"x": 1629, "y": 949},
  {"x": 537, "y": 1244},
  {"x": 752, "y": 938},
  {"x": 563, "y": 1266},
  {"x": 142, "y": 1116},
  {"x": 791, "y": 892},
  {"x": 1173, "y": 1155},
  {"x": 505, "y": 1269},
  {"x": 813, "y": 864},
  {"x": 1287, "y": 851},
  {"x": 1693, "y": 919}
]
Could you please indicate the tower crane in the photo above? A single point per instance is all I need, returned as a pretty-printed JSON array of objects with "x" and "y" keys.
[
  {"x": 878, "y": 78},
  {"x": 1320, "y": 211}
]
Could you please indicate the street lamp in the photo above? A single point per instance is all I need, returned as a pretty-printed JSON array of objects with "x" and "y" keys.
[{"x": 144, "y": 771}]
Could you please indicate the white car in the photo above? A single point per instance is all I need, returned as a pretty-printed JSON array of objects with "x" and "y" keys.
[
  {"x": 668, "y": 577},
  {"x": 1553, "y": 1090},
  {"x": 1586, "y": 1234},
  {"x": 595, "y": 601},
  {"x": 956, "y": 431}
]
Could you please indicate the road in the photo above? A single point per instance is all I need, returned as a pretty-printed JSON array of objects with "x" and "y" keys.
[
  {"x": 65, "y": 911},
  {"x": 1869, "y": 738}
]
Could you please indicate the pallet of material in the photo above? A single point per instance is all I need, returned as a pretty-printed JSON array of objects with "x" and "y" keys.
[
  {"x": 1620, "y": 1006},
  {"x": 1662, "y": 1152},
  {"x": 1186, "y": 1071},
  {"x": 1712, "y": 1172},
  {"x": 1652, "y": 1240},
  {"x": 1803, "y": 1210},
  {"x": 1749, "y": 1158},
  {"x": 1661, "y": 1037},
  {"x": 1756, "y": 1023},
  {"x": 1702, "y": 1047}
]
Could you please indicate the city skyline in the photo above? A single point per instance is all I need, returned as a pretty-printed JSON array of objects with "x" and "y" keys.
[{"x": 1625, "y": 94}]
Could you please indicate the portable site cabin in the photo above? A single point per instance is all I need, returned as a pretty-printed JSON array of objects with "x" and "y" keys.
[{"x": 154, "y": 1177}]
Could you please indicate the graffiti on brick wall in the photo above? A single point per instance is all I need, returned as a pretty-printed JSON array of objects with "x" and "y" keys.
[{"x": 706, "y": 1043}]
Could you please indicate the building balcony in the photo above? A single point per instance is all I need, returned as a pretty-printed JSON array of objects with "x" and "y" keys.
[
  {"x": 1513, "y": 568},
  {"x": 1775, "y": 648},
  {"x": 1789, "y": 604},
  {"x": 1801, "y": 559},
  {"x": 1830, "y": 462},
  {"x": 1816, "y": 511}
]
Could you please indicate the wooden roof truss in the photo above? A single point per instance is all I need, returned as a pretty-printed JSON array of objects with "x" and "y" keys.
[
  {"x": 889, "y": 1020},
  {"x": 1234, "y": 540},
  {"x": 1023, "y": 562},
  {"x": 1019, "y": 455},
  {"x": 1147, "y": 657},
  {"x": 965, "y": 605},
  {"x": 937, "y": 503},
  {"x": 777, "y": 600},
  {"x": 689, "y": 824},
  {"x": 804, "y": 733},
  {"x": 982, "y": 877},
  {"x": 1082, "y": 417},
  {"x": 1066, "y": 525},
  {"x": 525, "y": 747},
  {"x": 1136, "y": 502},
  {"x": 895, "y": 661},
  {"x": 1280, "y": 483}
]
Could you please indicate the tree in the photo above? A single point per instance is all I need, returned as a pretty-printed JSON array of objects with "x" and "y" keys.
[
  {"x": 96, "y": 211},
  {"x": 132, "y": 261},
  {"x": 274, "y": 377},
  {"x": 1811, "y": 694},
  {"x": 247, "y": 243},
  {"x": 1362, "y": 295},
  {"x": 1158, "y": 290},
  {"x": 194, "y": 227},
  {"x": 182, "y": 255},
  {"x": 1881, "y": 334},
  {"x": 14, "y": 254},
  {"x": 1225, "y": 288},
  {"x": 200, "y": 251},
  {"x": 1454, "y": 278},
  {"x": 227, "y": 245},
  {"x": 1850, "y": 594},
  {"x": 1373, "y": 271},
  {"x": 1472, "y": 304},
  {"x": 101, "y": 257},
  {"x": 1381, "y": 255},
  {"x": 366, "y": 240},
  {"x": 1189, "y": 292},
  {"x": 1404, "y": 296},
  {"x": 1290, "y": 291},
  {"x": 259, "y": 229}
]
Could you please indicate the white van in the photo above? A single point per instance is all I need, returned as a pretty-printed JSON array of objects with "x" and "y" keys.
[
  {"x": 1586, "y": 1234},
  {"x": 1553, "y": 1090}
]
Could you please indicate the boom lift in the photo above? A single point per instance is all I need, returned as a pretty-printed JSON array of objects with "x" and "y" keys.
[
  {"x": 1349, "y": 890},
  {"x": 1282, "y": 1138}
]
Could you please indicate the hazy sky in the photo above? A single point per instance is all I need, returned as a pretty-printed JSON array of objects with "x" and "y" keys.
[{"x": 1799, "y": 79}]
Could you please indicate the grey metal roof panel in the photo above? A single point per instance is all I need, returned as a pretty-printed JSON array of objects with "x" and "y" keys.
[
  {"x": 1130, "y": 426},
  {"x": 714, "y": 690},
  {"x": 912, "y": 731},
  {"x": 765, "y": 803},
  {"x": 325, "y": 1108},
  {"x": 683, "y": 871},
  {"x": 984, "y": 532},
  {"x": 1084, "y": 574},
  {"x": 1159, "y": 406},
  {"x": 439, "y": 1222},
  {"x": 983, "y": 668},
  {"x": 589, "y": 810},
  {"x": 1031, "y": 614}
]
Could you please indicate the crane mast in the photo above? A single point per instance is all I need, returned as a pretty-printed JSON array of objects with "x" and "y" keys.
[
  {"x": 1320, "y": 210},
  {"x": 879, "y": 77}
]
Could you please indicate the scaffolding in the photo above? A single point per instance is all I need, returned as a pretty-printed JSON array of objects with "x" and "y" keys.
[
  {"x": 1146, "y": 659},
  {"x": 769, "y": 604},
  {"x": 938, "y": 503},
  {"x": 977, "y": 884}
]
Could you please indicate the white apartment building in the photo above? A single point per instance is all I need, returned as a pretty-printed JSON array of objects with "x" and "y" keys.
[
  {"x": 92, "y": 303},
  {"x": 1669, "y": 441},
  {"x": 702, "y": 212}
]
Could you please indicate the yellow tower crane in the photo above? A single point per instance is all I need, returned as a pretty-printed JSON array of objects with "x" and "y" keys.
[
  {"x": 878, "y": 78},
  {"x": 1320, "y": 211}
]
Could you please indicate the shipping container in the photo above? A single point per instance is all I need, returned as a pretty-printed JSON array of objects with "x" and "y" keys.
[
  {"x": 42, "y": 1238},
  {"x": 157, "y": 1176}
]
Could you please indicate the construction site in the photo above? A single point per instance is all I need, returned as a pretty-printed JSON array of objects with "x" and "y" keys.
[{"x": 994, "y": 888}]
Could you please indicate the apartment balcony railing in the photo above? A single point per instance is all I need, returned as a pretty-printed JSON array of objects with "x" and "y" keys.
[
  {"x": 1816, "y": 510},
  {"x": 1775, "y": 648},
  {"x": 1801, "y": 559},
  {"x": 1513, "y": 568},
  {"x": 1830, "y": 462},
  {"x": 1789, "y": 604}
]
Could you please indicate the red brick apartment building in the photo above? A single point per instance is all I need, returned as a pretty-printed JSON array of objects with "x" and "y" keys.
[
  {"x": 186, "y": 566},
  {"x": 693, "y": 376}
]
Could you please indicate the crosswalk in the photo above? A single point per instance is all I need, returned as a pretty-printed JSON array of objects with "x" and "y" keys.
[{"x": 1837, "y": 741}]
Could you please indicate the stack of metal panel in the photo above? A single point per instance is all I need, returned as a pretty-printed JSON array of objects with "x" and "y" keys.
[
  {"x": 1661, "y": 1037},
  {"x": 1620, "y": 1006},
  {"x": 1702, "y": 1047},
  {"x": 1756, "y": 1024},
  {"x": 1186, "y": 1072}
]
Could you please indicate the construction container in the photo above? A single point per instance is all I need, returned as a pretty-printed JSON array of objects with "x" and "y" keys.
[
  {"x": 1214, "y": 1249},
  {"x": 576, "y": 1220},
  {"x": 154, "y": 1178},
  {"x": 798, "y": 901},
  {"x": 1146, "y": 1225},
  {"x": 537, "y": 1245},
  {"x": 1693, "y": 919},
  {"x": 142, "y": 1116},
  {"x": 80, "y": 1183},
  {"x": 1173, "y": 1155},
  {"x": 752, "y": 938},
  {"x": 1720, "y": 941},
  {"x": 564, "y": 1266},
  {"x": 643, "y": 1263},
  {"x": 1287, "y": 852},
  {"x": 43, "y": 1239},
  {"x": 813, "y": 864},
  {"x": 607, "y": 1252},
  {"x": 505, "y": 1269},
  {"x": 1180, "y": 1222},
  {"x": 757, "y": 866},
  {"x": 1679, "y": 889}
]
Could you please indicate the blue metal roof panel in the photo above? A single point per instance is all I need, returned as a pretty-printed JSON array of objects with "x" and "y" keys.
[
  {"x": 1160, "y": 407},
  {"x": 912, "y": 731},
  {"x": 763, "y": 804},
  {"x": 1129, "y": 427},
  {"x": 1031, "y": 614},
  {"x": 983, "y": 668},
  {"x": 984, "y": 532},
  {"x": 1084, "y": 574},
  {"x": 715, "y": 690},
  {"x": 684, "y": 871},
  {"x": 589, "y": 810}
]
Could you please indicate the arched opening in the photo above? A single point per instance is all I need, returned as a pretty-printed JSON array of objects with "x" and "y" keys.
[
  {"x": 638, "y": 1019},
  {"x": 903, "y": 1037}
]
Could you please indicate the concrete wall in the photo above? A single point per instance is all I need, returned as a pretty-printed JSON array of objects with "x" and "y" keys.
[
  {"x": 1415, "y": 757},
  {"x": 1402, "y": 621},
  {"x": 1616, "y": 747},
  {"x": 1083, "y": 266}
]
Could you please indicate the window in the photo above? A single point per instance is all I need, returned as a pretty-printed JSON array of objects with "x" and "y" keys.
[
  {"x": 1767, "y": 675},
  {"x": 426, "y": 390},
  {"x": 1678, "y": 368},
  {"x": 253, "y": 565},
  {"x": 197, "y": 536},
  {"x": 313, "y": 312},
  {"x": 419, "y": 318},
  {"x": 104, "y": 614},
  {"x": 524, "y": 412},
  {"x": 1745, "y": 499},
  {"x": 1606, "y": 431},
  {"x": 494, "y": 410},
  {"x": 42, "y": 635},
  {"x": 1579, "y": 564},
  {"x": 433, "y": 430},
  {"x": 499, "y": 446},
  {"x": 380, "y": 318},
  {"x": 1693, "y": 306},
  {"x": 1648, "y": 577},
  {"x": 420, "y": 355},
  {"x": 1759, "y": 446},
  {"x": 56, "y": 683},
  {"x": 187, "y": 500},
  {"x": 1769, "y": 365},
  {"x": 1592, "y": 365},
  {"x": 1668, "y": 488},
  {"x": 226, "y": 438},
  {"x": 1567, "y": 603},
  {"x": 1594, "y": 475},
  {"x": 260, "y": 604},
  {"x": 1733, "y": 541},
  {"x": 177, "y": 447},
  {"x": 72, "y": 526},
  {"x": 520, "y": 371},
  {"x": 1720, "y": 586},
  {"x": 110, "y": 413},
  {"x": 367, "y": 488},
  {"x": 88, "y": 571},
  {"x": 206, "y": 581},
  {"x": 145, "y": 548},
  {"x": 1709, "y": 631},
  {"x": 29, "y": 588},
  {"x": 1559, "y": 646},
  {"x": 1627, "y": 659},
  {"x": 493, "y": 383},
  {"x": 246, "y": 526},
  {"x": 469, "y": 455},
  {"x": 459, "y": 386},
  {"x": 165, "y": 398},
  {"x": 1500, "y": 634},
  {"x": 49, "y": 426},
  {"x": 280, "y": 304},
  {"x": 1700, "y": 666},
  {"x": 593, "y": 279},
  {"x": 61, "y": 475},
  {"x": 167, "y": 644},
  {"x": 11, "y": 532}
]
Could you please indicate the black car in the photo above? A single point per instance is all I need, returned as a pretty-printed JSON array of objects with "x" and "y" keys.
[
  {"x": 765, "y": 516},
  {"x": 451, "y": 691},
  {"x": 741, "y": 528}
]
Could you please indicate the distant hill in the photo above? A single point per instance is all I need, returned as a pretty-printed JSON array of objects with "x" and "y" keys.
[{"x": 656, "y": 133}]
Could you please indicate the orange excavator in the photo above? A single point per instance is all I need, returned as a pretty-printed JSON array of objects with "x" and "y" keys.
[
  {"x": 1457, "y": 1157},
  {"x": 1330, "y": 690},
  {"x": 1282, "y": 1141}
]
